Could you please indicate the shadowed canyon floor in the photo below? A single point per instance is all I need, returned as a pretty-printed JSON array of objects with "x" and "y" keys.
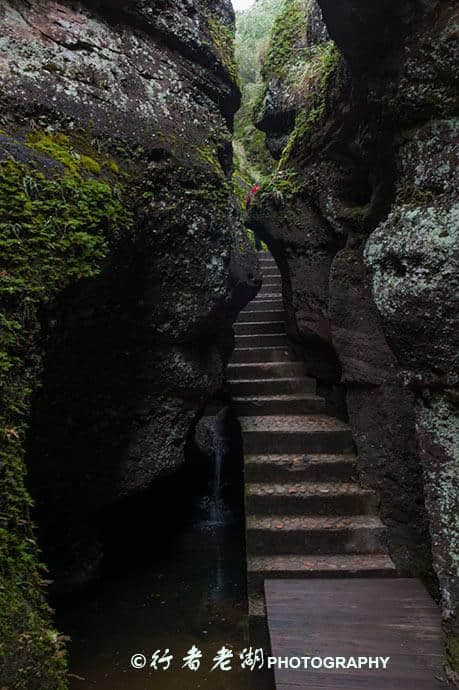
[{"x": 187, "y": 591}]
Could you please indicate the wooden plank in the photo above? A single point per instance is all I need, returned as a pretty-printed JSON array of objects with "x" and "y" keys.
[{"x": 366, "y": 617}]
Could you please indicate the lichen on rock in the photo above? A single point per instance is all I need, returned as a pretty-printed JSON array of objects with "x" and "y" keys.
[
  {"x": 362, "y": 218},
  {"x": 122, "y": 274},
  {"x": 298, "y": 44}
]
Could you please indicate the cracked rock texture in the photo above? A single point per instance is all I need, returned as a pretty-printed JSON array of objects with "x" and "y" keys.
[
  {"x": 362, "y": 217},
  {"x": 283, "y": 94},
  {"x": 138, "y": 96}
]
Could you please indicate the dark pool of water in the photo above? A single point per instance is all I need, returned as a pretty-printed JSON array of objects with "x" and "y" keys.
[{"x": 189, "y": 592}]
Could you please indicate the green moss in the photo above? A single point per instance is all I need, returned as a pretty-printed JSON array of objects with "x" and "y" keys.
[
  {"x": 287, "y": 49},
  {"x": 281, "y": 188},
  {"x": 304, "y": 126},
  {"x": 223, "y": 40},
  {"x": 76, "y": 153},
  {"x": 326, "y": 61},
  {"x": 452, "y": 651},
  {"x": 286, "y": 45},
  {"x": 55, "y": 146},
  {"x": 207, "y": 155},
  {"x": 252, "y": 242},
  {"x": 54, "y": 231},
  {"x": 114, "y": 167},
  {"x": 90, "y": 164}
]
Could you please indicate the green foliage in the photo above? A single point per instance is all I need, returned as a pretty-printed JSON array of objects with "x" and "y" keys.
[
  {"x": 55, "y": 229},
  {"x": 77, "y": 155},
  {"x": 282, "y": 187},
  {"x": 287, "y": 45},
  {"x": 324, "y": 62},
  {"x": 253, "y": 26},
  {"x": 286, "y": 51},
  {"x": 329, "y": 60},
  {"x": 255, "y": 159},
  {"x": 304, "y": 126}
]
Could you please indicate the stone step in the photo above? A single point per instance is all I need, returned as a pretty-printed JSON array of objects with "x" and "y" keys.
[
  {"x": 261, "y": 340},
  {"x": 296, "y": 468},
  {"x": 314, "y": 535},
  {"x": 264, "y": 305},
  {"x": 310, "y": 498},
  {"x": 294, "y": 433},
  {"x": 258, "y": 315},
  {"x": 290, "y": 566},
  {"x": 267, "y": 294},
  {"x": 272, "y": 281},
  {"x": 295, "y": 403},
  {"x": 262, "y": 354},
  {"x": 270, "y": 271},
  {"x": 266, "y": 370},
  {"x": 272, "y": 386},
  {"x": 255, "y": 327}
]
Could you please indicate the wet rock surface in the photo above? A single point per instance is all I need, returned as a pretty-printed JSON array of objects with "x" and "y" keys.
[
  {"x": 133, "y": 356},
  {"x": 362, "y": 220},
  {"x": 293, "y": 40},
  {"x": 133, "y": 101}
]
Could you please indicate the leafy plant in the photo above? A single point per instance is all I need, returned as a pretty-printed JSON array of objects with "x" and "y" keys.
[{"x": 55, "y": 229}]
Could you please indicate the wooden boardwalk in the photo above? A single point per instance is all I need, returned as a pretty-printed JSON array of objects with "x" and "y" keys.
[{"x": 374, "y": 617}]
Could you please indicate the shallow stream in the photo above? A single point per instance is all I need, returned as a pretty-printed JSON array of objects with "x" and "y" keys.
[{"x": 175, "y": 588}]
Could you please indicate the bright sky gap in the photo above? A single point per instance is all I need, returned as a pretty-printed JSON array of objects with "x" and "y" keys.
[{"x": 242, "y": 4}]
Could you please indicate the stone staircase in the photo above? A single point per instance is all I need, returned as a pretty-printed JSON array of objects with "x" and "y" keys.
[{"x": 306, "y": 515}]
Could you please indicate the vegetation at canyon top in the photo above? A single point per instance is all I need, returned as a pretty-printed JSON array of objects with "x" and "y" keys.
[
  {"x": 274, "y": 53},
  {"x": 308, "y": 132},
  {"x": 252, "y": 158}
]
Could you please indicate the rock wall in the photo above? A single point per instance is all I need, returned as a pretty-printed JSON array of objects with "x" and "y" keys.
[
  {"x": 292, "y": 42},
  {"x": 362, "y": 218},
  {"x": 124, "y": 267}
]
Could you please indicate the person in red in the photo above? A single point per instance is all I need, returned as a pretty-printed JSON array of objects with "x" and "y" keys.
[{"x": 255, "y": 189}]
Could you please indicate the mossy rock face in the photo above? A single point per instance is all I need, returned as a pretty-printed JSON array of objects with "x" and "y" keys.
[
  {"x": 59, "y": 215},
  {"x": 412, "y": 254},
  {"x": 371, "y": 157},
  {"x": 296, "y": 41},
  {"x": 413, "y": 260},
  {"x": 119, "y": 245}
]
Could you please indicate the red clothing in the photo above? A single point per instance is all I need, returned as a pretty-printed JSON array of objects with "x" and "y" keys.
[{"x": 256, "y": 188}]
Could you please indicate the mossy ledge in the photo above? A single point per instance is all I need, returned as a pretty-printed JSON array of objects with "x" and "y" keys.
[
  {"x": 286, "y": 48},
  {"x": 223, "y": 41},
  {"x": 57, "y": 223},
  {"x": 324, "y": 63},
  {"x": 286, "y": 183}
]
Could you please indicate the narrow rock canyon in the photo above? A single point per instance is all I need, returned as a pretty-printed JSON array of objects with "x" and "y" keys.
[{"x": 127, "y": 257}]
